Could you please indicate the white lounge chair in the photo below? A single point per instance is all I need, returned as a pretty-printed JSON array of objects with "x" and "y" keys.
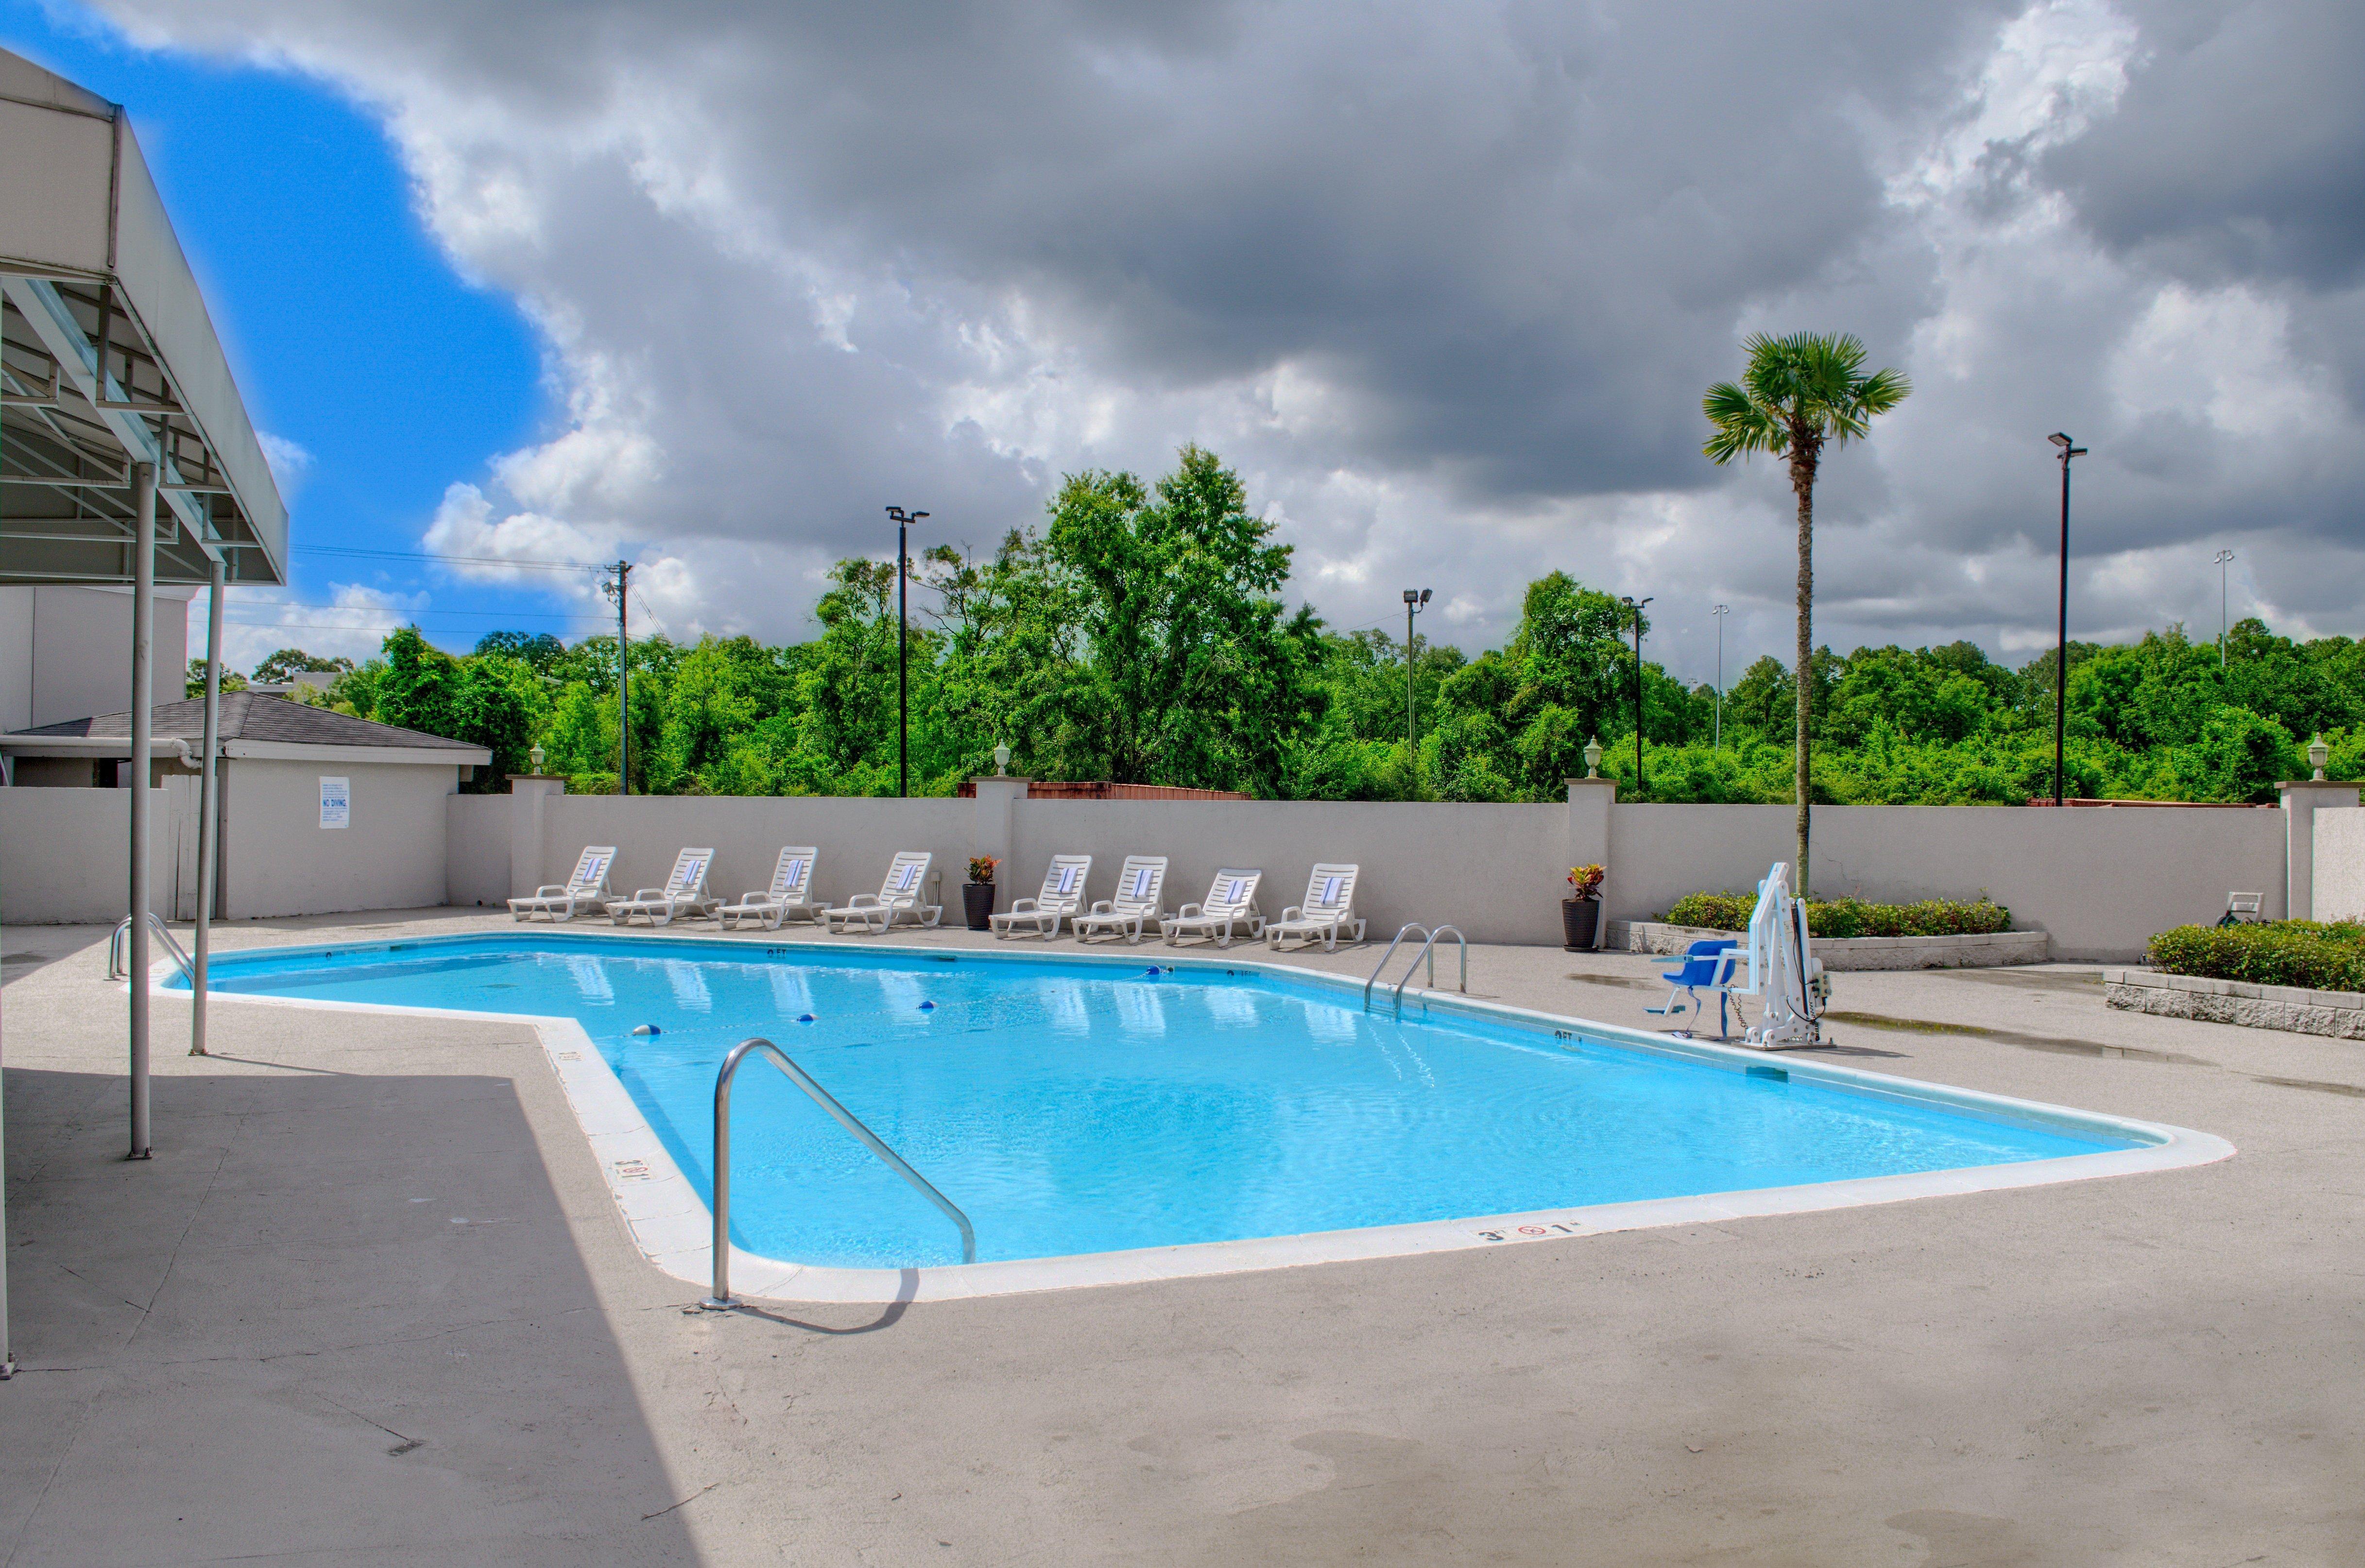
[
  {"x": 1062, "y": 897},
  {"x": 1328, "y": 908},
  {"x": 684, "y": 893},
  {"x": 584, "y": 893},
  {"x": 1231, "y": 901},
  {"x": 790, "y": 893},
  {"x": 898, "y": 899},
  {"x": 1139, "y": 904}
]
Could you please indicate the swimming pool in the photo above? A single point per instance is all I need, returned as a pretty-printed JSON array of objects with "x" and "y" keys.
[{"x": 1084, "y": 1106}]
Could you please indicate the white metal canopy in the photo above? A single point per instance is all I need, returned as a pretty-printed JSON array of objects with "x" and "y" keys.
[
  {"x": 126, "y": 455},
  {"x": 108, "y": 359}
]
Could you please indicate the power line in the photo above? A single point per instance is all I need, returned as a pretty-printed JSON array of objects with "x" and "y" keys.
[
  {"x": 474, "y": 560},
  {"x": 234, "y": 604}
]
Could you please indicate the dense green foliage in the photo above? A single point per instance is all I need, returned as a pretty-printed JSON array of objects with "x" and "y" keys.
[
  {"x": 1851, "y": 917},
  {"x": 2287, "y": 952},
  {"x": 1140, "y": 636}
]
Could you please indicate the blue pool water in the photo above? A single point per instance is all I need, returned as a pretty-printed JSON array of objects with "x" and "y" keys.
[{"x": 1073, "y": 1107}]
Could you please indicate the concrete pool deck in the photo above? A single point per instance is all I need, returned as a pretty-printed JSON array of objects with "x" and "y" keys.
[{"x": 372, "y": 1303}]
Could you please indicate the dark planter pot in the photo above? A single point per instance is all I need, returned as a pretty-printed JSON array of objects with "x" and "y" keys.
[
  {"x": 976, "y": 903},
  {"x": 1578, "y": 918}
]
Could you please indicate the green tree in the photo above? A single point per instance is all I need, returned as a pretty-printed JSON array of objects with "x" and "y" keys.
[
  {"x": 288, "y": 662},
  {"x": 1798, "y": 394},
  {"x": 195, "y": 684}
]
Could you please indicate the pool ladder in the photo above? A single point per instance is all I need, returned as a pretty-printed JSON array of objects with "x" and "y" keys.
[
  {"x": 1427, "y": 950},
  {"x": 118, "y": 949},
  {"x": 720, "y": 1300}
]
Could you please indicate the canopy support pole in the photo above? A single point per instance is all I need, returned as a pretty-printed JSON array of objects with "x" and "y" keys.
[
  {"x": 143, "y": 693},
  {"x": 207, "y": 811}
]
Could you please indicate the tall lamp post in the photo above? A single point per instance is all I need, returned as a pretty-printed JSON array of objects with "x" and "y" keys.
[
  {"x": 2223, "y": 558},
  {"x": 1719, "y": 612},
  {"x": 2061, "y": 621},
  {"x": 902, "y": 653},
  {"x": 1415, "y": 602},
  {"x": 1636, "y": 605},
  {"x": 619, "y": 588}
]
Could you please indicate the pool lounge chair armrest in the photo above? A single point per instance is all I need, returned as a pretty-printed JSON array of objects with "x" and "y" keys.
[
  {"x": 551, "y": 891},
  {"x": 641, "y": 895},
  {"x": 1292, "y": 913},
  {"x": 1103, "y": 906},
  {"x": 1190, "y": 911},
  {"x": 1024, "y": 906}
]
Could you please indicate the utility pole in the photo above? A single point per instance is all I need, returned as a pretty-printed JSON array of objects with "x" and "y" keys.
[
  {"x": 1719, "y": 612},
  {"x": 903, "y": 654},
  {"x": 1414, "y": 604},
  {"x": 1636, "y": 606},
  {"x": 2224, "y": 628},
  {"x": 2061, "y": 626},
  {"x": 619, "y": 588}
]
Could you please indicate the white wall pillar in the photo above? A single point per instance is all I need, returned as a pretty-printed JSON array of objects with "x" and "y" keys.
[
  {"x": 996, "y": 829},
  {"x": 530, "y": 794},
  {"x": 2301, "y": 800},
  {"x": 1589, "y": 801}
]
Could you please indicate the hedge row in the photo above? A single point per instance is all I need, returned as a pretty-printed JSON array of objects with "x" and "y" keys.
[
  {"x": 1853, "y": 917},
  {"x": 2287, "y": 952}
]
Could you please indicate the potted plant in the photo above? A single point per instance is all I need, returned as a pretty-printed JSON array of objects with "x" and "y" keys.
[
  {"x": 977, "y": 893},
  {"x": 1580, "y": 913}
]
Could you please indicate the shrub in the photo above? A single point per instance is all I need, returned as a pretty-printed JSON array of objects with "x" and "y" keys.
[
  {"x": 2288, "y": 952},
  {"x": 1853, "y": 917}
]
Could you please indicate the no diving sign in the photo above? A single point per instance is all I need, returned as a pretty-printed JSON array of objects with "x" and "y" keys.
[{"x": 336, "y": 801}]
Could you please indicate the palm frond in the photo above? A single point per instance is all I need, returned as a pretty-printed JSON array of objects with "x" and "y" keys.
[{"x": 1741, "y": 424}]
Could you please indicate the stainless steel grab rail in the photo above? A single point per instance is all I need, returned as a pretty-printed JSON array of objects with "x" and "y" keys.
[
  {"x": 1382, "y": 964},
  {"x": 118, "y": 958},
  {"x": 1428, "y": 951},
  {"x": 721, "y": 1299}
]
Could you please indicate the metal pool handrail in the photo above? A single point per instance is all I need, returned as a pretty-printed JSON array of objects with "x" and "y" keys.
[
  {"x": 1382, "y": 964},
  {"x": 846, "y": 1118},
  {"x": 1428, "y": 951},
  {"x": 117, "y": 959}
]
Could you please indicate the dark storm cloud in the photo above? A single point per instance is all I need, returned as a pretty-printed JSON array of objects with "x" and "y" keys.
[
  {"x": 1446, "y": 281},
  {"x": 2238, "y": 150}
]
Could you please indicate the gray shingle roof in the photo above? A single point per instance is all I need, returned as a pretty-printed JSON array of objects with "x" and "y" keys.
[{"x": 248, "y": 716}]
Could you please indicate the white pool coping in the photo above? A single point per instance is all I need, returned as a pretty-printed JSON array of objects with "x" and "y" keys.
[{"x": 674, "y": 1228}]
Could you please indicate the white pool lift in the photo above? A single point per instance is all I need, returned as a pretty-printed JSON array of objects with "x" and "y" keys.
[{"x": 1783, "y": 969}]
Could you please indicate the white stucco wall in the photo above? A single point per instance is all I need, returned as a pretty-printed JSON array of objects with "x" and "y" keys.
[
  {"x": 278, "y": 859},
  {"x": 1496, "y": 871},
  {"x": 64, "y": 854},
  {"x": 2340, "y": 865},
  {"x": 476, "y": 849},
  {"x": 2101, "y": 881},
  {"x": 16, "y": 656}
]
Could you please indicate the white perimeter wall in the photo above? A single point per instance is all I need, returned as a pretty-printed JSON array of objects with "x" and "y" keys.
[
  {"x": 65, "y": 854},
  {"x": 2340, "y": 865},
  {"x": 2101, "y": 881},
  {"x": 278, "y": 859}
]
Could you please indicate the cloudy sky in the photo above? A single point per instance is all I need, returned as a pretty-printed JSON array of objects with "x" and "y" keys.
[{"x": 1444, "y": 281}]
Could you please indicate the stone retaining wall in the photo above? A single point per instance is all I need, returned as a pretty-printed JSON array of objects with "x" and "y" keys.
[
  {"x": 2337, "y": 1013},
  {"x": 1854, "y": 953}
]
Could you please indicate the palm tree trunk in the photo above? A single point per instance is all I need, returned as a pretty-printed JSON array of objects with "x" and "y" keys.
[{"x": 1802, "y": 480}]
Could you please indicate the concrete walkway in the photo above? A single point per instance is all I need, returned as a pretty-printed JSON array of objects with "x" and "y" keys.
[{"x": 372, "y": 1304}]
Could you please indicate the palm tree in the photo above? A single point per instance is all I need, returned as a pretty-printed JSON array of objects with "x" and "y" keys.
[{"x": 1799, "y": 393}]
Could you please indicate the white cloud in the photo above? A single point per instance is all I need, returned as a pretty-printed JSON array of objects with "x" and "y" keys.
[{"x": 290, "y": 464}]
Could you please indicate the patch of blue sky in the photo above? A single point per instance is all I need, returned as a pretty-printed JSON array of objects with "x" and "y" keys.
[{"x": 350, "y": 332}]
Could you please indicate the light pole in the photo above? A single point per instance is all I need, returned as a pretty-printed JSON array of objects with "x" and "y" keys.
[
  {"x": 618, "y": 587},
  {"x": 1636, "y": 606},
  {"x": 2061, "y": 623},
  {"x": 902, "y": 655},
  {"x": 1415, "y": 602},
  {"x": 1719, "y": 612},
  {"x": 2223, "y": 630}
]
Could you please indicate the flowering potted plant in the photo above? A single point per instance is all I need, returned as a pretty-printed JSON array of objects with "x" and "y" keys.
[
  {"x": 1580, "y": 913},
  {"x": 977, "y": 893}
]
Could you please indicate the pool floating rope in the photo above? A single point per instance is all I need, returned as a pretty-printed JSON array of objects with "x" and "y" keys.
[{"x": 647, "y": 1029}]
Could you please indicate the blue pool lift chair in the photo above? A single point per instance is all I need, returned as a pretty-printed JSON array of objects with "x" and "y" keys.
[{"x": 1708, "y": 964}]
